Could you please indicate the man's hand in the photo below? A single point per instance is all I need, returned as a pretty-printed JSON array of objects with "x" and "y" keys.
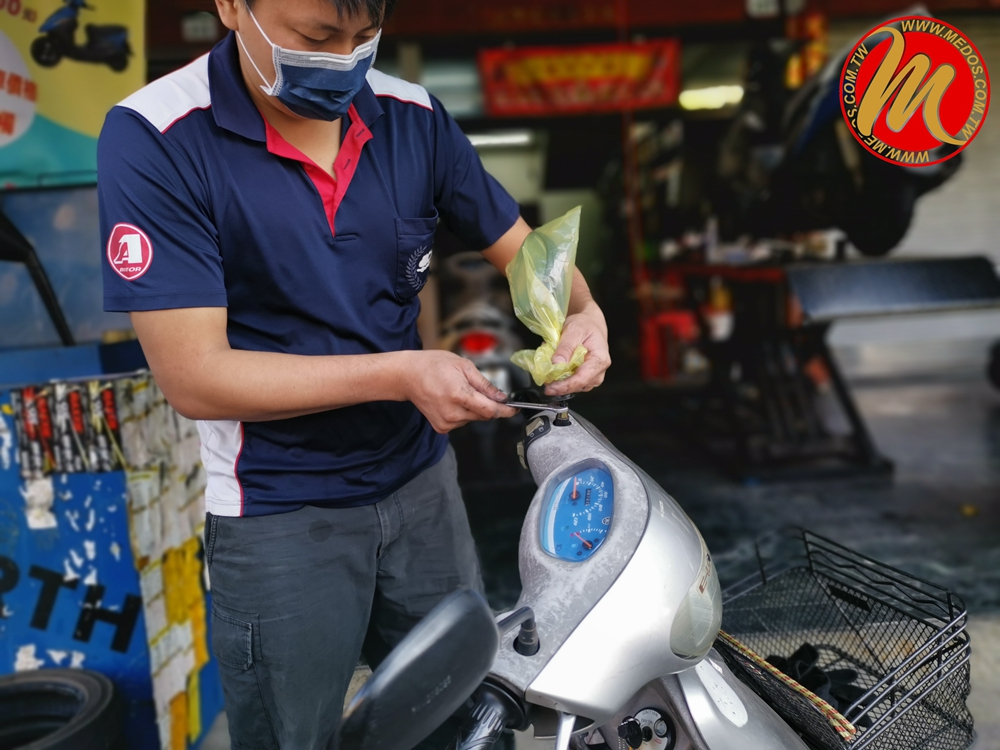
[
  {"x": 588, "y": 328},
  {"x": 450, "y": 391},
  {"x": 585, "y": 322}
]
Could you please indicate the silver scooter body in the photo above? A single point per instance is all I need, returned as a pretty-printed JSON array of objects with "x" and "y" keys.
[{"x": 631, "y": 627}]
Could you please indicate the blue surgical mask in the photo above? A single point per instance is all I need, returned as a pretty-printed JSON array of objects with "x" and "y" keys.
[{"x": 317, "y": 85}]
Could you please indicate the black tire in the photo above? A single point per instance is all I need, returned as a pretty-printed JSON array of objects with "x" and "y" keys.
[
  {"x": 59, "y": 709},
  {"x": 993, "y": 369},
  {"x": 882, "y": 212},
  {"x": 45, "y": 51}
]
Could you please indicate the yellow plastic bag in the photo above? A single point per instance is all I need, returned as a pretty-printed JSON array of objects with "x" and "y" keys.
[{"x": 541, "y": 279}]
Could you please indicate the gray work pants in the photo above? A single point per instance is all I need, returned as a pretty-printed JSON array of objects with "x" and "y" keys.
[{"x": 297, "y": 597}]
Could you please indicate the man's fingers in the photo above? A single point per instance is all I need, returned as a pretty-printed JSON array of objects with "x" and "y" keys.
[
  {"x": 589, "y": 376},
  {"x": 479, "y": 407},
  {"x": 483, "y": 408},
  {"x": 571, "y": 338},
  {"x": 576, "y": 384},
  {"x": 482, "y": 384},
  {"x": 492, "y": 407},
  {"x": 564, "y": 351}
]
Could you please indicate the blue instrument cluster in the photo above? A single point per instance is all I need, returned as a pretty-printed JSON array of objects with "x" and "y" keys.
[{"x": 577, "y": 518}]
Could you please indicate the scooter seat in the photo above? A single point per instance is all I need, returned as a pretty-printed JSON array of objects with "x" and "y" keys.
[{"x": 93, "y": 30}]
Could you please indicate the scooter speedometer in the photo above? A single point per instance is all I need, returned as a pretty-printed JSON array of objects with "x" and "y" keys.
[{"x": 577, "y": 517}]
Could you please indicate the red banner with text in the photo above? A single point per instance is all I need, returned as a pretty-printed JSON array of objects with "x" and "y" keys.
[{"x": 573, "y": 80}]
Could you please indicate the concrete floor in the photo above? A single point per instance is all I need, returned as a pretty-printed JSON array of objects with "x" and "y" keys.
[{"x": 929, "y": 409}]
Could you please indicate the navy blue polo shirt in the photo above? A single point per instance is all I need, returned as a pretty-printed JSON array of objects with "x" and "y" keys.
[{"x": 204, "y": 204}]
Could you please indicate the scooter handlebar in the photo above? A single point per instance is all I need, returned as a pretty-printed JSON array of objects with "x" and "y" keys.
[
  {"x": 484, "y": 726},
  {"x": 496, "y": 709}
]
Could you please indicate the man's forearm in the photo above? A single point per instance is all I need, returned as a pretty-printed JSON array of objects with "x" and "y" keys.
[
  {"x": 264, "y": 386},
  {"x": 503, "y": 251},
  {"x": 581, "y": 301}
]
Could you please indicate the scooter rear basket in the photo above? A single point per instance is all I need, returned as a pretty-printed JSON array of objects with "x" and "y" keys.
[{"x": 904, "y": 637}]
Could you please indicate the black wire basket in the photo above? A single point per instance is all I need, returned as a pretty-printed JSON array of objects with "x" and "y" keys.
[{"x": 903, "y": 637}]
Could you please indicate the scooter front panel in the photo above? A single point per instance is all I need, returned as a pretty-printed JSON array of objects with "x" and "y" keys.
[
  {"x": 631, "y": 622},
  {"x": 562, "y": 592},
  {"x": 619, "y": 602}
]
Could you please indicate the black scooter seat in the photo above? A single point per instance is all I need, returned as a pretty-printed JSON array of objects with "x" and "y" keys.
[{"x": 94, "y": 30}]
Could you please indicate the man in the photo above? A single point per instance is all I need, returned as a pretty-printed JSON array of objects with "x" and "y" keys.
[{"x": 269, "y": 213}]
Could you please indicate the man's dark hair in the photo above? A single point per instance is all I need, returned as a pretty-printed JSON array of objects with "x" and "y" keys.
[{"x": 378, "y": 11}]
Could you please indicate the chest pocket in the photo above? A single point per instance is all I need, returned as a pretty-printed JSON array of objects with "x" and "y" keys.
[{"x": 414, "y": 245}]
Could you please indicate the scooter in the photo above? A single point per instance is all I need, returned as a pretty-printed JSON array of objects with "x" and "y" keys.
[
  {"x": 482, "y": 328},
  {"x": 612, "y": 639},
  {"x": 105, "y": 44},
  {"x": 611, "y": 643}
]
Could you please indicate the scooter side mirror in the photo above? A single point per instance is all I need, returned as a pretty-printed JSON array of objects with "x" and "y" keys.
[{"x": 426, "y": 677}]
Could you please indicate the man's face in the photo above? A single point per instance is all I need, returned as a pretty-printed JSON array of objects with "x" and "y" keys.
[{"x": 305, "y": 25}]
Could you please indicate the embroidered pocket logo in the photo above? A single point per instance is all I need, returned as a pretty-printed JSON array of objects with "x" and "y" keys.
[{"x": 418, "y": 266}]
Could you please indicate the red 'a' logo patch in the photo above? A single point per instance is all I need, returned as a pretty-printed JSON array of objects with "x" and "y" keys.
[{"x": 130, "y": 252}]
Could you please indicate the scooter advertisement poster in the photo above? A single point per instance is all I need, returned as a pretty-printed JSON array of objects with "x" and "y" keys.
[{"x": 63, "y": 65}]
